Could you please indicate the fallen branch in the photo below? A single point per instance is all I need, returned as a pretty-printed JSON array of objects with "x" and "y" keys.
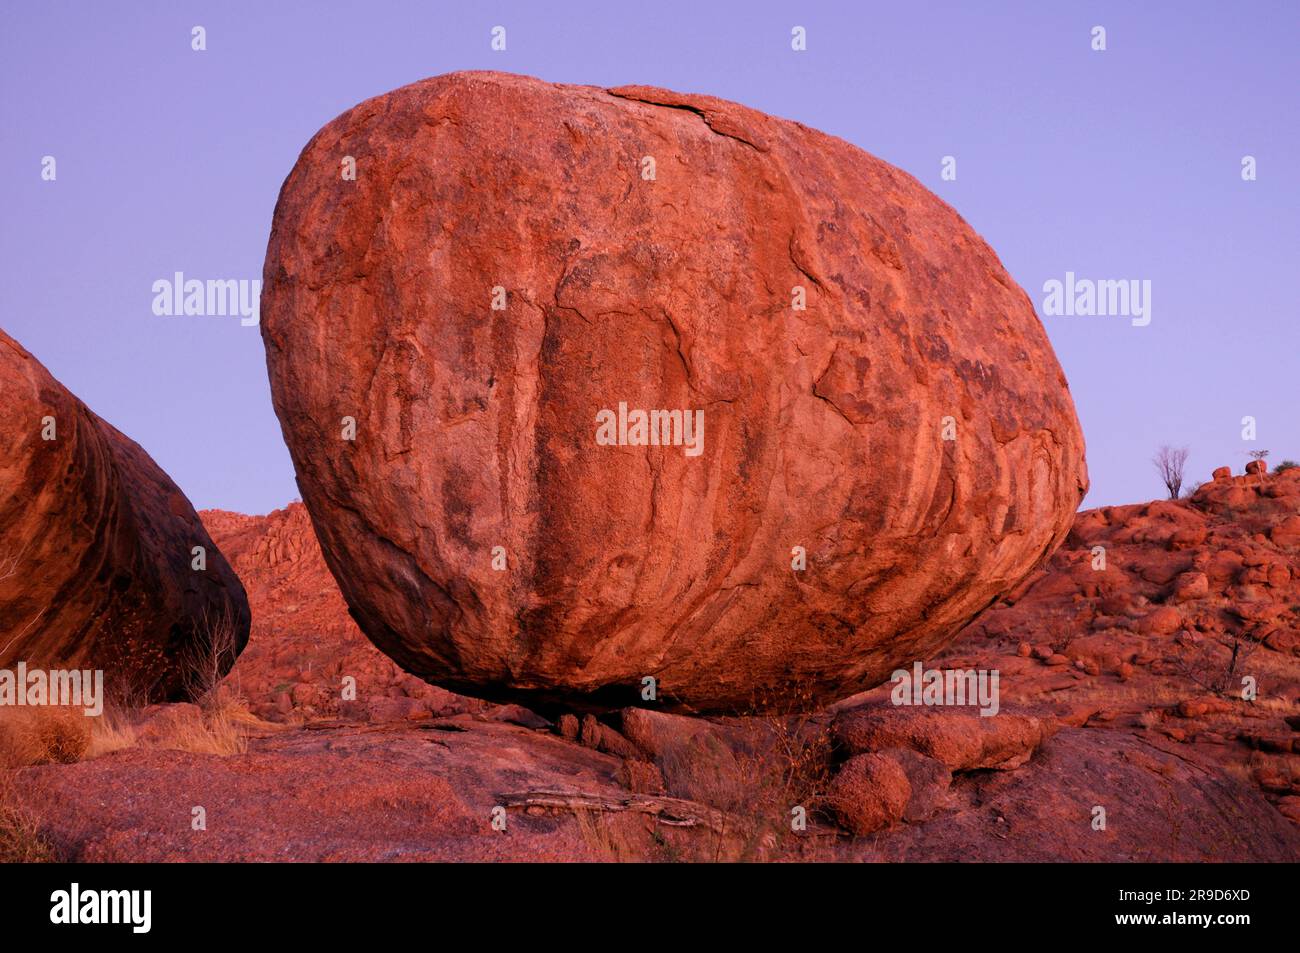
[{"x": 671, "y": 811}]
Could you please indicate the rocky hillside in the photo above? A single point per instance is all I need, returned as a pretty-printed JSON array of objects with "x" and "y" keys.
[
  {"x": 1122, "y": 666},
  {"x": 1122, "y": 732}
]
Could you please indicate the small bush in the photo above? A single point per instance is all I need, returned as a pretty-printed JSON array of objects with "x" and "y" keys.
[
  {"x": 218, "y": 731},
  {"x": 64, "y": 736},
  {"x": 43, "y": 736},
  {"x": 205, "y": 661},
  {"x": 21, "y": 841},
  {"x": 1285, "y": 465}
]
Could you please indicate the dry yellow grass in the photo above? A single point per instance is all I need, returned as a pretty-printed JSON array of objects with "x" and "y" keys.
[
  {"x": 42, "y": 736},
  {"x": 614, "y": 838},
  {"x": 218, "y": 730},
  {"x": 33, "y": 736},
  {"x": 114, "y": 730}
]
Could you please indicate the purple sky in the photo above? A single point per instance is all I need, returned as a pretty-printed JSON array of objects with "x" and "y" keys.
[{"x": 1118, "y": 165}]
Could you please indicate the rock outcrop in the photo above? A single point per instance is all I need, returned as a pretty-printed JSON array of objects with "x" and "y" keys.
[
  {"x": 1124, "y": 725},
  {"x": 865, "y": 437},
  {"x": 870, "y": 791},
  {"x": 960, "y": 739},
  {"x": 303, "y": 646},
  {"x": 1176, "y": 620},
  {"x": 97, "y": 548},
  {"x": 1211, "y": 570}
]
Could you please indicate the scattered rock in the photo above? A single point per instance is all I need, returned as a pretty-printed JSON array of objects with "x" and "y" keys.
[
  {"x": 655, "y": 733},
  {"x": 962, "y": 740},
  {"x": 594, "y": 734},
  {"x": 641, "y": 777},
  {"x": 703, "y": 768},
  {"x": 1287, "y": 532},
  {"x": 1163, "y": 621},
  {"x": 1290, "y": 807},
  {"x": 1191, "y": 585},
  {"x": 928, "y": 780},
  {"x": 380, "y": 709},
  {"x": 569, "y": 727},
  {"x": 870, "y": 792},
  {"x": 518, "y": 715}
]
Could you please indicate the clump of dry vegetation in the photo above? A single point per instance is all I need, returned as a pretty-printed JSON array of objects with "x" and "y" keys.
[
  {"x": 216, "y": 723},
  {"x": 21, "y": 840},
  {"x": 620, "y": 838},
  {"x": 757, "y": 781},
  {"x": 42, "y": 735},
  {"x": 1215, "y": 663},
  {"x": 761, "y": 771},
  {"x": 220, "y": 728},
  {"x": 60, "y": 736},
  {"x": 31, "y": 736},
  {"x": 783, "y": 750},
  {"x": 206, "y": 660}
]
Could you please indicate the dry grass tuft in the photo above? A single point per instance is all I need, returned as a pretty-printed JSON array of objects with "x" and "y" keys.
[
  {"x": 220, "y": 729},
  {"x": 114, "y": 730},
  {"x": 63, "y": 736},
  {"x": 756, "y": 770},
  {"x": 217, "y": 730},
  {"x": 21, "y": 840},
  {"x": 42, "y": 735},
  {"x": 617, "y": 838},
  {"x": 35, "y": 736}
]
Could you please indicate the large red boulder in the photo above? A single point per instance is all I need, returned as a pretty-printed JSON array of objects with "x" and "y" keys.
[
  {"x": 462, "y": 336},
  {"x": 97, "y": 551}
]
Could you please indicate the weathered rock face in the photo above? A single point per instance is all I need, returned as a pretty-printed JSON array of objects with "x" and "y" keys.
[
  {"x": 822, "y": 321},
  {"x": 96, "y": 546}
]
